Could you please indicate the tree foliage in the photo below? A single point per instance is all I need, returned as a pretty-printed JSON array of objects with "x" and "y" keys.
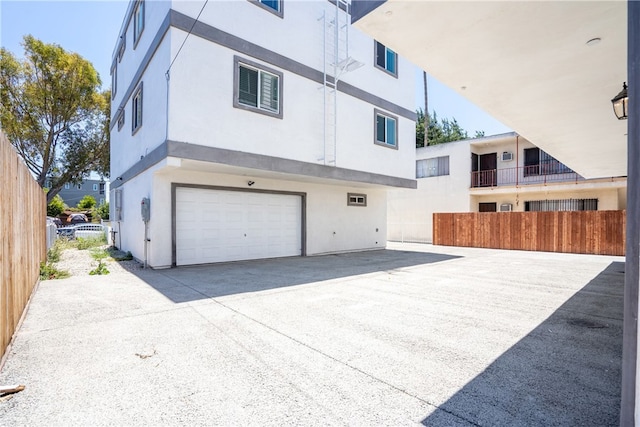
[
  {"x": 87, "y": 202},
  {"x": 56, "y": 206},
  {"x": 439, "y": 131},
  {"x": 103, "y": 210},
  {"x": 53, "y": 112}
]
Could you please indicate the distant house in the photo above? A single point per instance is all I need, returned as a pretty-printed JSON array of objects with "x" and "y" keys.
[
  {"x": 492, "y": 174},
  {"x": 254, "y": 129},
  {"x": 72, "y": 194}
]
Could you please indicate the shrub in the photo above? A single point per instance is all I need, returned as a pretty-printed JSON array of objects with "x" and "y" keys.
[
  {"x": 91, "y": 242},
  {"x": 56, "y": 206},
  {"x": 48, "y": 272},
  {"x": 103, "y": 210},
  {"x": 87, "y": 202}
]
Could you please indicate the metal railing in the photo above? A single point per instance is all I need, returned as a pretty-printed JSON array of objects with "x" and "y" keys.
[{"x": 524, "y": 175}]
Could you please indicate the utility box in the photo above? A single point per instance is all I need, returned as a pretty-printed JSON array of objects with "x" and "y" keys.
[{"x": 145, "y": 209}]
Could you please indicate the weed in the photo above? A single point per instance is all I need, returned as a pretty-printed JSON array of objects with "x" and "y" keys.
[
  {"x": 90, "y": 242},
  {"x": 99, "y": 254},
  {"x": 119, "y": 255},
  {"x": 99, "y": 270},
  {"x": 48, "y": 271}
]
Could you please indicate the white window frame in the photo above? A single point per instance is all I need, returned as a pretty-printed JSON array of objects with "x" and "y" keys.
[
  {"x": 136, "y": 110},
  {"x": 67, "y": 186},
  {"x": 122, "y": 48},
  {"x": 114, "y": 80},
  {"x": 387, "y": 117},
  {"x": 278, "y": 12},
  {"x": 79, "y": 186},
  {"x": 95, "y": 187},
  {"x": 385, "y": 68},
  {"x": 138, "y": 22},
  {"x": 356, "y": 199},
  {"x": 261, "y": 69}
]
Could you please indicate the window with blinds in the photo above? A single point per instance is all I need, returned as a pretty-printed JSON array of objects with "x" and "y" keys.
[
  {"x": 437, "y": 166},
  {"x": 257, "y": 88},
  {"x": 561, "y": 205}
]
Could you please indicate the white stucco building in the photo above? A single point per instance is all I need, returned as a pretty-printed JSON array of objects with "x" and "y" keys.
[
  {"x": 242, "y": 143},
  {"x": 494, "y": 173}
]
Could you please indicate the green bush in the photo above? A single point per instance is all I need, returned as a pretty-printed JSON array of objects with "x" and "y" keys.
[
  {"x": 99, "y": 270},
  {"x": 87, "y": 202},
  {"x": 48, "y": 272},
  {"x": 91, "y": 242},
  {"x": 103, "y": 210},
  {"x": 56, "y": 206}
]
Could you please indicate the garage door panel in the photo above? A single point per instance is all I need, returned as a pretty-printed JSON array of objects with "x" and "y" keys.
[{"x": 220, "y": 225}]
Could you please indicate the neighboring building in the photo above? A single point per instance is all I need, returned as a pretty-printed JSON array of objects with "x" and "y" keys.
[
  {"x": 495, "y": 173},
  {"x": 72, "y": 194},
  {"x": 238, "y": 141}
]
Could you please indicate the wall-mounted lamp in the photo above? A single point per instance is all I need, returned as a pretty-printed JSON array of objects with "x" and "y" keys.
[
  {"x": 250, "y": 183},
  {"x": 621, "y": 103}
]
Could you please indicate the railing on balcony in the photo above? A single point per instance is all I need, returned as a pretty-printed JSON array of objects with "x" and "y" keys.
[{"x": 524, "y": 175}]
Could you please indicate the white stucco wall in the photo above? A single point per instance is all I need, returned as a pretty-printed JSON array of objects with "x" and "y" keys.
[
  {"x": 332, "y": 226},
  {"x": 410, "y": 212}
]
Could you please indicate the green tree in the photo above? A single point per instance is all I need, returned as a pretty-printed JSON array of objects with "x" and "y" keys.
[
  {"x": 52, "y": 111},
  {"x": 56, "y": 206},
  {"x": 87, "y": 202},
  {"x": 439, "y": 131}
]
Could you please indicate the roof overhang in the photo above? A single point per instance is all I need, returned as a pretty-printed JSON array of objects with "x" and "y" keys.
[{"x": 527, "y": 64}]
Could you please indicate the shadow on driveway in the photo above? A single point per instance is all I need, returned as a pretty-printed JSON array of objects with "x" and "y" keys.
[
  {"x": 191, "y": 283},
  {"x": 575, "y": 353}
]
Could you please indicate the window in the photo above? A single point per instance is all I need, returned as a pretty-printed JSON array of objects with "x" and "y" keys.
[
  {"x": 561, "y": 205},
  {"x": 386, "y": 130},
  {"x": 121, "y": 118},
  {"x": 436, "y": 166},
  {"x": 101, "y": 202},
  {"x": 354, "y": 199},
  {"x": 67, "y": 186},
  {"x": 122, "y": 47},
  {"x": 386, "y": 59},
  {"x": 257, "y": 88},
  {"x": 101, "y": 188},
  {"x": 80, "y": 186},
  {"x": 273, "y": 6},
  {"x": 537, "y": 162},
  {"x": 95, "y": 187},
  {"x": 114, "y": 80},
  {"x": 47, "y": 184},
  {"x": 138, "y": 22},
  {"x": 136, "y": 110}
]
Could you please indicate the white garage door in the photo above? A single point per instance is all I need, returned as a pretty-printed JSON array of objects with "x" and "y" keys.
[{"x": 219, "y": 225}]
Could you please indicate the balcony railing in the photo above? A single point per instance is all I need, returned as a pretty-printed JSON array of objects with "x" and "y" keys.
[{"x": 524, "y": 175}]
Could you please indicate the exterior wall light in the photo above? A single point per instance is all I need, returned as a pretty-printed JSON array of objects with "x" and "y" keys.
[{"x": 621, "y": 103}]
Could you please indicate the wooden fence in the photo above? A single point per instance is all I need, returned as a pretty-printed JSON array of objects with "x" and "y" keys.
[
  {"x": 580, "y": 232},
  {"x": 22, "y": 221}
]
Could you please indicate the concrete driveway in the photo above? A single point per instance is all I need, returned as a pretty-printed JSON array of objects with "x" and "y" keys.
[{"x": 413, "y": 334}]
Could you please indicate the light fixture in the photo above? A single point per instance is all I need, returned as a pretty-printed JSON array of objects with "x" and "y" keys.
[
  {"x": 621, "y": 103},
  {"x": 250, "y": 183}
]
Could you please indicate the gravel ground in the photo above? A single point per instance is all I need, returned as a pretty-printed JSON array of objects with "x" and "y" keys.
[{"x": 80, "y": 262}]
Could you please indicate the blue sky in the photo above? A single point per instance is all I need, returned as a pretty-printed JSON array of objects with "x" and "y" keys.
[{"x": 90, "y": 28}]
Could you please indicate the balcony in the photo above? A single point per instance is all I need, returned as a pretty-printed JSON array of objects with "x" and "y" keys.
[{"x": 541, "y": 174}]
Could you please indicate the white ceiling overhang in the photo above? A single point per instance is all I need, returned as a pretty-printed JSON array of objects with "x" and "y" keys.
[{"x": 527, "y": 64}]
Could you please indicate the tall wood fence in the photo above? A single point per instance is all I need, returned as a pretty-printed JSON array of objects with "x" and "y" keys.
[
  {"x": 22, "y": 243},
  {"x": 580, "y": 232}
]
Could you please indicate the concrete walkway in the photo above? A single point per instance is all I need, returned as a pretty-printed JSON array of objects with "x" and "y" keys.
[{"x": 413, "y": 334}]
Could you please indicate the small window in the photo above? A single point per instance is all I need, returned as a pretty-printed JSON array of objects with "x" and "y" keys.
[
  {"x": 273, "y": 6},
  {"x": 386, "y": 130},
  {"x": 67, "y": 186},
  {"x": 138, "y": 22},
  {"x": 437, "y": 166},
  {"x": 121, "y": 119},
  {"x": 136, "y": 110},
  {"x": 80, "y": 186},
  {"x": 114, "y": 80},
  {"x": 101, "y": 188},
  {"x": 122, "y": 48},
  {"x": 101, "y": 201},
  {"x": 257, "y": 88},
  {"x": 354, "y": 199},
  {"x": 386, "y": 59},
  {"x": 95, "y": 187}
]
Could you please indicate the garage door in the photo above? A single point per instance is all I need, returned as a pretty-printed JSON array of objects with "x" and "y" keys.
[{"x": 220, "y": 225}]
